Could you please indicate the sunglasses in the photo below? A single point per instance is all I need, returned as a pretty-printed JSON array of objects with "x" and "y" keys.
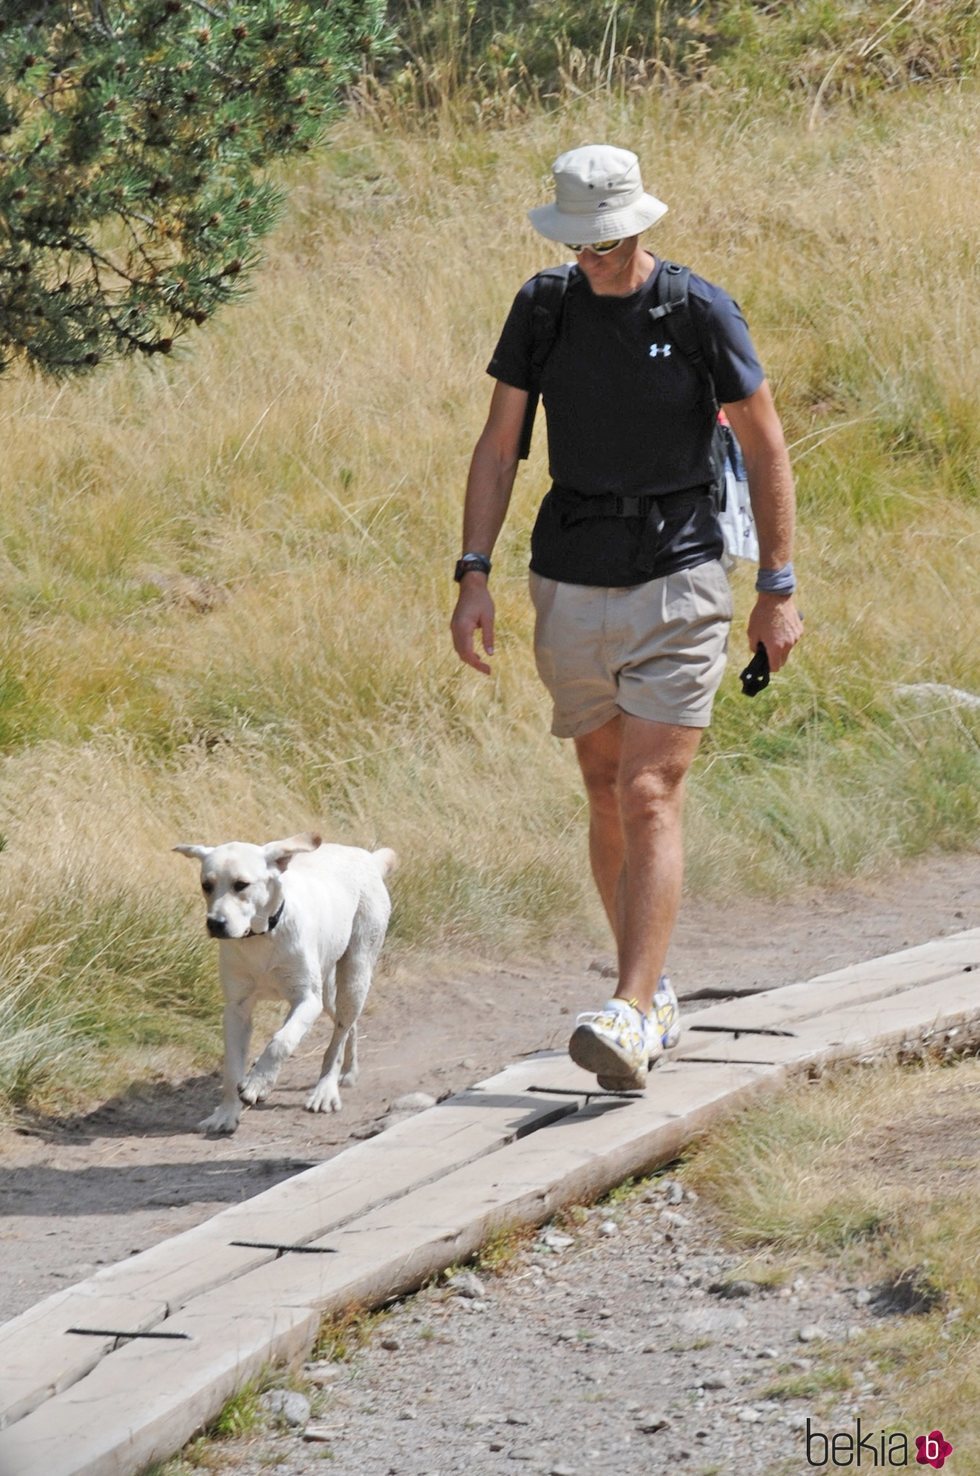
[{"x": 598, "y": 248}]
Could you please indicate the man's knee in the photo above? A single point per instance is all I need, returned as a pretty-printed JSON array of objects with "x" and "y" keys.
[
  {"x": 599, "y": 760},
  {"x": 652, "y": 795}
]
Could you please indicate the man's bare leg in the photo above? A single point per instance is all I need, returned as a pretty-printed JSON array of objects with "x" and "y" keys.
[
  {"x": 635, "y": 773},
  {"x": 598, "y": 756}
]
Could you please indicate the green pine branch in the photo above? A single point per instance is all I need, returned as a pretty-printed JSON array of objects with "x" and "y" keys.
[{"x": 134, "y": 140}]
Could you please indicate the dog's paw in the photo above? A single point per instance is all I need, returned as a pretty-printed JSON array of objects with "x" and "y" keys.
[
  {"x": 255, "y": 1088},
  {"x": 323, "y": 1098},
  {"x": 222, "y": 1120}
]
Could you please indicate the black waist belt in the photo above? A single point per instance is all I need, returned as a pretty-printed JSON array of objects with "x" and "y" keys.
[
  {"x": 578, "y": 506},
  {"x": 648, "y": 507},
  {"x": 620, "y": 505}
]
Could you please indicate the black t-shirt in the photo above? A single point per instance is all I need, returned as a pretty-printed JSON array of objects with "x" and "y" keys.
[{"x": 628, "y": 414}]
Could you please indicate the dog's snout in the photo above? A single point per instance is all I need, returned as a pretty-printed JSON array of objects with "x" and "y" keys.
[{"x": 217, "y": 927}]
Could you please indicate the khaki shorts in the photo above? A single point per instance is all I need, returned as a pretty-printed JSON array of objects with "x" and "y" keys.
[{"x": 654, "y": 650}]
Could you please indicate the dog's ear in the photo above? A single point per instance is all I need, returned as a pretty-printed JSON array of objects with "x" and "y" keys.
[
  {"x": 280, "y": 853},
  {"x": 197, "y": 853}
]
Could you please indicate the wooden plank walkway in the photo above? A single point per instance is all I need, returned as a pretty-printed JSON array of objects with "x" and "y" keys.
[{"x": 173, "y": 1332}]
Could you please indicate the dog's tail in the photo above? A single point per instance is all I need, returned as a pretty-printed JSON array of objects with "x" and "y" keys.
[{"x": 386, "y": 859}]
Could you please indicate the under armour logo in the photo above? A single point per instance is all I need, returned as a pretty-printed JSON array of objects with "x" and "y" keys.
[{"x": 660, "y": 348}]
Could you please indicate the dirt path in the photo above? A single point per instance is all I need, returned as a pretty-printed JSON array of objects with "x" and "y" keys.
[{"x": 84, "y": 1192}]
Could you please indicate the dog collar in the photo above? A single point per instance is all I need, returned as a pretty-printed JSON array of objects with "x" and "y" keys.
[{"x": 273, "y": 920}]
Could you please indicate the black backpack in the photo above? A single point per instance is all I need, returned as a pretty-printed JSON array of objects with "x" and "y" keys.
[{"x": 672, "y": 290}]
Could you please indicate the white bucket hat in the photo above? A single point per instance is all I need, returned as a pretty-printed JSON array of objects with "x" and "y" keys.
[{"x": 598, "y": 196}]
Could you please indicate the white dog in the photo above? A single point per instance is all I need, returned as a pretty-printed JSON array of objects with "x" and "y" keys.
[{"x": 300, "y": 922}]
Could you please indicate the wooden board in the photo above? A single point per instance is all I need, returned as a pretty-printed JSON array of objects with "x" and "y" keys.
[{"x": 394, "y": 1210}]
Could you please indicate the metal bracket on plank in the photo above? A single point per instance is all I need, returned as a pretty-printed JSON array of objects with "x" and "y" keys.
[
  {"x": 738, "y": 1030},
  {"x": 587, "y": 1094},
  {"x": 120, "y": 1337},
  {"x": 720, "y": 1061},
  {"x": 285, "y": 1250}
]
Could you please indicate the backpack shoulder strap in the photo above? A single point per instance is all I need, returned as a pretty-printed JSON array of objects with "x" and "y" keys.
[
  {"x": 547, "y": 305},
  {"x": 674, "y": 311}
]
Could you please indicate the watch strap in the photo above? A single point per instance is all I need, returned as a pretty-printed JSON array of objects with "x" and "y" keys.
[{"x": 471, "y": 561}]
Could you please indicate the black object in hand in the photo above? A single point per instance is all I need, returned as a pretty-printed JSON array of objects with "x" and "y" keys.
[{"x": 756, "y": 674}]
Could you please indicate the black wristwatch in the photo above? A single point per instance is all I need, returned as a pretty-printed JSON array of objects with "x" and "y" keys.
[{"x": 471, "y": 561}]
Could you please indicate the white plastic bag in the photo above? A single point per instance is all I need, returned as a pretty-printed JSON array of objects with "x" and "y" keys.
[{"x": 737, "y": 522}]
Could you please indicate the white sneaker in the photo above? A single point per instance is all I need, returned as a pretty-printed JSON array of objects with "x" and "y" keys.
[
  {"x": 668, "y": 1014},
  {"x": 620, "y": 1044}
]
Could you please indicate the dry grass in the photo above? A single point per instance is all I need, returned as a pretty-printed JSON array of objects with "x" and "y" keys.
[{"x": 876, "y": 1173}]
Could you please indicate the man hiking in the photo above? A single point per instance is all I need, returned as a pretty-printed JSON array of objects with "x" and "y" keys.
[{"x": 632, "y": 604}]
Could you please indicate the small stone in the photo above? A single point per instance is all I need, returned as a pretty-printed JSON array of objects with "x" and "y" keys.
[
  {"x": 555, "y": 1241},
  {"x": 768, "y": 1353},
  {"x": 720, "y": 1380},
  {"x": 468, "y": 1063},
  {"x": 797, "y": 1420},
  {"x": 730, "y": 1289},
  {"x": 320, "y": 1374},
  {"x": 496, "y": 1445},
  {"x": 409, "y": 1413},
  {"x": 390, "y": 1344},
  {"x": 466, "y": 1284},
  {"x": 862, "y": 1296},
  {"x": 749, "y": 1416},
  {"x": 413, "y": 1102},
  {"x": 652, "y": 1423},
  {"x": 286, "y": 1405},
  {"x": 810, "y": 1333},
  {"x": 609, "y": 1227},
  {"x": 516, "y": 1419},
  {"x": 320, "y": 1434},
  {"x": 672, "y": 1191},
  {"x": 674, "y": 1218}
]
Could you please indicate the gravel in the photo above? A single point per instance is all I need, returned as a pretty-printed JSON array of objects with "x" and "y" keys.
[{"x": 588, "y": 1357}]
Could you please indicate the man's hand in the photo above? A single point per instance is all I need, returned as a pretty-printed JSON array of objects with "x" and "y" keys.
[
  {"x": 776, "y": 622},
  {"x": 474, "y": 612}
]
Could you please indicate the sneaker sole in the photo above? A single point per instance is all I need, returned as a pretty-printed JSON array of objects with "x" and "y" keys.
[{"x": 597, "y": 1056}]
